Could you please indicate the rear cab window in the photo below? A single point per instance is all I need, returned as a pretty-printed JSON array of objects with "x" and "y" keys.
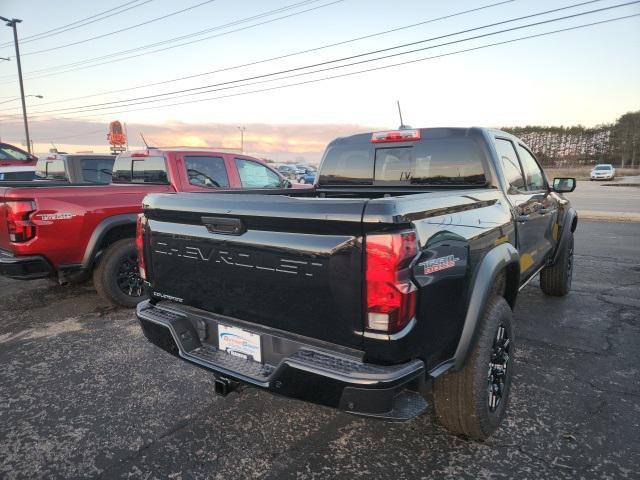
[
  {"x": 443, "y": 157},
  {"x": 142, "y": 169},
  {"x": 97, "y": 170}
]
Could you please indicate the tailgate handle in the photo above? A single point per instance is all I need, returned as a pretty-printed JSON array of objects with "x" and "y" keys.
[{"x": 226, "y": 226}]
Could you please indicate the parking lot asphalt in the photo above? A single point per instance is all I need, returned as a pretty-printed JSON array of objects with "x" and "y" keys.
[
  {"x": 82, "y": 394},
  {"x": 603, "y": 196}
]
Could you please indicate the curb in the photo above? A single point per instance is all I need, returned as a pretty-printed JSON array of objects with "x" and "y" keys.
[{"x": 614, "y": 216}]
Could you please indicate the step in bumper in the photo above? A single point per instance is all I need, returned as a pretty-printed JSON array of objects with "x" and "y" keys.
[{"x": 293, "y": 366}]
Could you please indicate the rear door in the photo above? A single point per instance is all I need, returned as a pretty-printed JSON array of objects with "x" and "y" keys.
[
  {"x": 293, "y": 264},
  {"x": 533, "y": 209}
]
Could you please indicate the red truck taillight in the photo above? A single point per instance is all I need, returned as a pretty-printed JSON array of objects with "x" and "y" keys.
[
  {"x": 140, "y": 246},
  {"x": 21, "y": 228},
  {"x": 390, "y": 294}
]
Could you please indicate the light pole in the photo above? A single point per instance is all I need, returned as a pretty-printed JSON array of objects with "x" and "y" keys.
[
  {"x": 18, "y": 98},
  {"x": 12, "y": 23},
  {"x": 242, "y": 129}
]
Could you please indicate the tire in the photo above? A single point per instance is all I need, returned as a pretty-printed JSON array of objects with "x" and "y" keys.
[
  {"x": 556, "y": 279},
  {"x": 116, "y": 277},
  {"x": 470, "y": 402}
]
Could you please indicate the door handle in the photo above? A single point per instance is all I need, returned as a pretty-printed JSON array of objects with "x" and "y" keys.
[{"x": 522, "y": 218}]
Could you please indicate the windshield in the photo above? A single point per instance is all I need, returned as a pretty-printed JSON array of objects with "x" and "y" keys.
[
  {"x": 8, "y": 153},
  {"x": 603, "y": 167}
]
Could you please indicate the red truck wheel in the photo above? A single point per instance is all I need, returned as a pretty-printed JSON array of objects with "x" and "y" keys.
[{"x": 117, "y": 278}]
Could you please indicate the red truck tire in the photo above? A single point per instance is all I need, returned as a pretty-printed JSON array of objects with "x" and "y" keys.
[{"x": 116, "y": 277}]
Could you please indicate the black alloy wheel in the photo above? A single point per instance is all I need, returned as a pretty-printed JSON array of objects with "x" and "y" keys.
[
  {"x": 498, "y": 365},
  {"x": 129, "y": 279}
]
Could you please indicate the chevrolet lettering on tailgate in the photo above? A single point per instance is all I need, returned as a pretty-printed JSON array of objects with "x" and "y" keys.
[{"x": 225, "y": 257}]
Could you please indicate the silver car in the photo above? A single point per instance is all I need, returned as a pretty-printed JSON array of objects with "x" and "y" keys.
[{"x": 603, "y": 171}]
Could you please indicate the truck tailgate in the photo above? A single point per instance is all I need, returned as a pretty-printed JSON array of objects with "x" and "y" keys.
[{"x": 283, "y": 262}]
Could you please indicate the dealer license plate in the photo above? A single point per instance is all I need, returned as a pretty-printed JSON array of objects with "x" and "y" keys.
[{"x": 239, "y": 342}]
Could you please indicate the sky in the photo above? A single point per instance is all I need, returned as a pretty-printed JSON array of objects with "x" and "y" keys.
[{"x": 586, "y": 76}]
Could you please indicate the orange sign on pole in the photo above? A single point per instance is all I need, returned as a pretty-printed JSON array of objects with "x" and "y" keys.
[{"x": 116, "y": 137}]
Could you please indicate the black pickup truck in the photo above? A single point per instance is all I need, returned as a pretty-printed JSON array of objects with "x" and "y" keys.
[{"x": 388, "y": 286}]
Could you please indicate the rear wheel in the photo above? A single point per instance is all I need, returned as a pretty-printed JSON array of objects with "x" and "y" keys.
[
  {"x": 556, "y": 279},
  {"x": 472, "y": 402},
  {"x": 117, "y": 278}
]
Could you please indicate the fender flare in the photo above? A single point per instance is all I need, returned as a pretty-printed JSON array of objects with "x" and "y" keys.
[
  {"x": 101, "y": 230},
  {"x": 569, "y": 225},
  {"x": 493, "y": 262}
]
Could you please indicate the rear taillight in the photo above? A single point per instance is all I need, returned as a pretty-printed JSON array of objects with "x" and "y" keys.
[
  {"x": 391, "y": 295},
  {"x": 21, "y": 228},
  {"x": 140, "y": 245}
]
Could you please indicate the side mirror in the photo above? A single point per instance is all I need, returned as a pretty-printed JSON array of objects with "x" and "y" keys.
[
  {"x": 286, "y": 183},
  {"x": 564, "y": 184}
]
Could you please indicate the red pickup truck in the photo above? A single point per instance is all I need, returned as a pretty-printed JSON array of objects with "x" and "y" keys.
[
  {"x": 67, "y": 231},
  {"x": 15, "y": 163}
]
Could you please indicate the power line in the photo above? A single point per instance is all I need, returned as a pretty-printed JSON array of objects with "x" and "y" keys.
[
  {"x": 175, "y": 39},
  {"x": 102, "y": 130},
  {"x": 57, "y": 70},
  {"x": 158, "y": 97},
  {"x": 300, "y": 52},
  {"x": 162, "y": 17},
  {"x": 278, "y": 87},
  {"x": 74, "y": 25}
]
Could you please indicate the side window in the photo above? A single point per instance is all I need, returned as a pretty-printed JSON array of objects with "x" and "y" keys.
[
  {"x": 510, "y": 165},
  {"x": 97, "y": 170},
  {"x": 207, "y": 171},
  {"x": 41, "y": 169},
  {"x": 54, "y": 170},
  {"x": 149, "y": 170},
  {"x": 255, "y": 175},
  {"x": 122, "y": 170},
  {"x": 535, "y": 178}
]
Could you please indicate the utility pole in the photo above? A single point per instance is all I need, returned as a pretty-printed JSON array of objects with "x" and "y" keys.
[
  {"x": 12, "y": 23},
  {"x": 242, "y": 129}
]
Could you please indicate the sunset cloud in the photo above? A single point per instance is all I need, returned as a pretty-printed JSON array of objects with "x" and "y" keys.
[{"x": 280, "y": 142}]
